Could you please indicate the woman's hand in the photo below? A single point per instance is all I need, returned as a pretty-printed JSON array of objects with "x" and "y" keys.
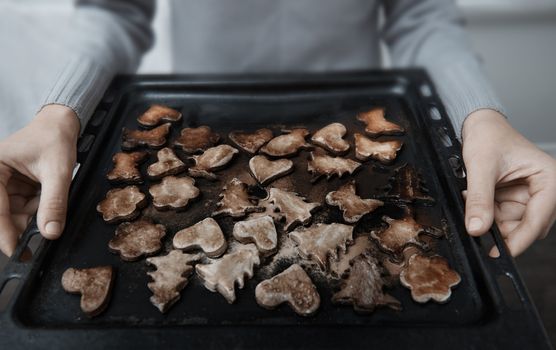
[
  {"x": 509, "y": 180},
  {"x": 36, "y": 165}
]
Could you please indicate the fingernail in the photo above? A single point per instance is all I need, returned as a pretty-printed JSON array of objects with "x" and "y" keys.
[
  {"x": 53, "y": 228},
  {"x": 475, "y": 224}
]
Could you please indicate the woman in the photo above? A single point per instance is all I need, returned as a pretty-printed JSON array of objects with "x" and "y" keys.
[{"x": 509, "y": 179}]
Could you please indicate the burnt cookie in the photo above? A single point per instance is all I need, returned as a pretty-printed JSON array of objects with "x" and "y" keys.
[
  {"x": 126, "y": 168},
  {"x": 251, "y": 142},
  {"x": 376, "y": 123},
  {"x": 168, "y": 164},
  {"x": 400, "y": 233},
  {"x": 265, "y": 171},
  {"x": 222, "y": 275},
  {"x": 235, "y": 201},
  {"x": 383, "y": 151},
  {"x": 260, "y": 231},
  {"x": 429, "y": 278},
  {"x": 154, "y": 138},
  {"x": 322, "y": 241},
  {"x": 134, "y": 240},
  {"x": 352, "y": 206},
  {"x": 291, "y": 206},
  {"x": 361, "y": 244},
  {"x": 205, "y": 235},
  {"x": 407, "y": 186},
  {"x": 193, "y": 140},
  {"x": 170, "y": 277},
  {"x": 212, "y": 159},
  {"x": 325, "y": 165},
  {"x": 331, "y": 138},
  {"x": 292, "y": 286},
  {"x": 288, "y": 144},
  {"x": 94, "y": 284},
  {"x": 363, "y": 287},
  {"x": 122, "y": 204},
  {"x": 156, "y": 114},
  {"x": 173, "y": 192}
]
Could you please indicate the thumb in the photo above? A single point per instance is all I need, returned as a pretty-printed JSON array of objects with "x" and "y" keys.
[
  {"x": 479, "y": 203},
  {"x": 51, "y": 215}
]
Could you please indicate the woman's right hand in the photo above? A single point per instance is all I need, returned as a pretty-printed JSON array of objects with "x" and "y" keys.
[{"x": 36, "y": 166}]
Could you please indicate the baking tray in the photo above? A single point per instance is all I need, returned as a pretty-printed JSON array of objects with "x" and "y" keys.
[{"x": 490, "y": 308}]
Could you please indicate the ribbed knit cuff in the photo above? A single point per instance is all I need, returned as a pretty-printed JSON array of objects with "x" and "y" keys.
[
  {"x": 463, "y": 88},
  {"x": 80, "y": 86}
]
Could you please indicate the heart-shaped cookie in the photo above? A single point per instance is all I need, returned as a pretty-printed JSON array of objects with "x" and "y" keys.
[{"x": 266, "y": 170}]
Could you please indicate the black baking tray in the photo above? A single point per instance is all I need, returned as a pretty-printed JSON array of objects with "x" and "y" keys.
[{"x": 489, "y": 309}]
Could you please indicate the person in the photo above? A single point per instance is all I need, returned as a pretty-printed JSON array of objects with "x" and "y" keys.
[{"x": 509, "y": 180}]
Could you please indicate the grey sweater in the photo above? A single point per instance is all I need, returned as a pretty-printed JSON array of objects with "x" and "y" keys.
[{"x": 236, "y": 36}]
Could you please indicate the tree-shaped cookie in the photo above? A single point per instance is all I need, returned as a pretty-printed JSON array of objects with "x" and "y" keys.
[
  {"x": 212, "y": 159},
  {"x": 352, "y": 206},
  {"x": 221, "y": 275},
  {"x": 133, "y": 240},
  {"x": 168, "y": 164},
  {"x": 325, "y": 165},
  {"x": 407, "y": 186},
  {"x": 291, "y": 206},
  {"x": 429, "y": 278},
  {"x": 122, "y": 204},
  {"x": 292, "y": 286},
  {"x": 125, "y": 168},
  {"x": 260, "y": 231},
  {"x": 154, "y": 138},
  {"x": 173, "y": 192},
  {"x": 235, "y": 201},
  {"x": 250, "y": 142},
  {"x": 205, "y": 235},
  {"x": 363, "y": 286},
  {"x": 287, "y": 144},
  {"x": 322, "y": 241},
  {"x": 94, "y": 284},
  {"x": 331, "y": 138},
  {"x": 170, "y": 277},
  {"x": 376, "y": 124}
]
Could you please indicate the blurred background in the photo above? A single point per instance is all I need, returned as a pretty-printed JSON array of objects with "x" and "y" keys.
[{"x": 516, "y": 39}]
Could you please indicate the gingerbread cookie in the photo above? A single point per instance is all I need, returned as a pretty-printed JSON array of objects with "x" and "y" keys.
[
  {"x": 250, "y": 142},
  {"x": 223, "y": 274},
  {"x": 265, "y": 170},
  {"x": 133, "y": 240},
  {"x": 331, "y": 138},
  {"x": 292, "y": 286},
  {"x": 212, "y": 159},
  {"x": 352, "y": 206},
  {"x": 154, "y": 138},
  {"x": 173, "y": 192},
  {"x": 157, "y": 114},
  {"x": 94, "y": 284},
  {"x": 383, "y": 151},
  {"x": 126, "y": 168},
  {"x": 193, "y": 140},
  {"x": 235, "y": 201},
  {"x": 168, "y": 164},
  {"x": 205, "y": 235},
  {"x": 376, "y": 124},
  {"x": 260, "y": 231},
  {"x": 325, "y": 165},
  {"x": 288, "y": 144},
  {"x": 122, "y": 204},
  {"x": 170, "y": 277}
]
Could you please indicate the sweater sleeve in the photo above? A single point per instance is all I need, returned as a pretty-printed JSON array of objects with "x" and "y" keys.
[
  {"x": 107, "y": 37},
  {"x": 430, "y": 34}
]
